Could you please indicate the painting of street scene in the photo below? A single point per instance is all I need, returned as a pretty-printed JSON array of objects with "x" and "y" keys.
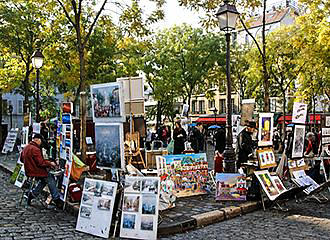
[
  {"x": 188, "y": 172},
  {"x": 106, "y": 104},
  {"x": 267, "y": 184},
  {"x": 230, "y": 186},
  {"x": 109, "y": 146}
]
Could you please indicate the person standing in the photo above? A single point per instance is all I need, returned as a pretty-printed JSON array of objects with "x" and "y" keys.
[
  {"x": 179, "y": 137},
  {"x": 36, "y": 166},
  {"x": 197, "y": 138},
  {"x": 245, "y": 143},
  {"x": 220, "y": 140}
]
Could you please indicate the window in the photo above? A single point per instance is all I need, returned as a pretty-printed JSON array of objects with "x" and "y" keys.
[
  {"x": 273, "y": 105},
  {"x": 201, "y": 106},
  {"x": 193, "y": 106},
  {"x": 20, "y": 107},
  {"x": 222, "y": 105},
  {"x": 211, "y": 104},
  {"x": 233, "y": 106}
]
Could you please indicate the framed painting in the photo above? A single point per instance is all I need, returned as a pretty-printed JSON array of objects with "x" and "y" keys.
[
  {"x": 266, "y": 158},
  {"x": 109, "y": 144},
  {"x": 266, "y": 123},
  {"x": 299, "y": 113},
  {"x": 267, "y": 184},
  {"x": 298, "y": 141},
  {"x": 107, "y": 102}
]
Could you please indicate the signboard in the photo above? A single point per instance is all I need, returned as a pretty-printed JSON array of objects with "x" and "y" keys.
[
  {"x": 10, "y": 141},
  {"x": 140, "y": 208},
  {"x": 96, "y": 208}
]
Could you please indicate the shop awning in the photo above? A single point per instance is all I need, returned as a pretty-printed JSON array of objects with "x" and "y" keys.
[
  {"x": 288, "y": 119},
  {"x": 211, "y": 120}
]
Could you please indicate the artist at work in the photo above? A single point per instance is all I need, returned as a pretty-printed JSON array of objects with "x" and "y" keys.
[{"x": 36, "y": 166}]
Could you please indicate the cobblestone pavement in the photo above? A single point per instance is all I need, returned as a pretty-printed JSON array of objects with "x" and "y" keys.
[
  {"x": 35, "y": 222},
  {"x": 307, "y": 220}
]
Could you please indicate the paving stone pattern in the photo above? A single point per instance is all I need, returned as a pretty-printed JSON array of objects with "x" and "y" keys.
[
  {"x": 307, "y": 220},
  {"x": 35, "y": 222}
]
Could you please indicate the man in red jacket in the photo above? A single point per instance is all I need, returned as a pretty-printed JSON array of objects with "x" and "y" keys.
[{"x": 36, "y": 166}]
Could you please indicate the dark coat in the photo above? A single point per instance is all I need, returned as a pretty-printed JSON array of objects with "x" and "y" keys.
[
  {"x": 34, "y": 164},
  {"x": 220, "y": 140},
  {"x": 179, "y": 141},
  {"x": 245, "y": 147},
  {"x": 197, "y": 140}
]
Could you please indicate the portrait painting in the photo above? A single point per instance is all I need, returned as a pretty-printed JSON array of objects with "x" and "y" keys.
[{"x": 298, "y": 141}]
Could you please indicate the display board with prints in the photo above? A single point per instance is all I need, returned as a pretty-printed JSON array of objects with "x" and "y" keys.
[
  {"x": 96, "y": 208},
  {"x": 139, "y": 218},
  {"x": 66, "y": 153},
  {"x": 10, "y": 141}
]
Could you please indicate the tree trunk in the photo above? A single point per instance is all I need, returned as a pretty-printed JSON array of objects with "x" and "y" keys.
[
  {"x": 0, "y": 114},
  {"x": 83, "y": 112},
  {"x": 314, "y": 117},
  {"x": 159, "y": 115},
  {"x": 26, "y": 87},
  {"x": 283, "y": 125}
]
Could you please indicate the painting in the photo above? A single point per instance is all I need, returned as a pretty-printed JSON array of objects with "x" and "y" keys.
[
  {"x": 327, "y": 121},
  {"x": 299, "y": 113},
  {"x": 266, "y": 123},
  {"x": 325, "y": 132},
  {"x": 266, "y": 158},
  {"x": 267, "y": 184},
  {"x": 109, "y": 145},
  {"x": 298, "y": 141},
  {"x": 278, "y": 183},
  {"x": 140, "y": 208},
  {"x": 230, "y": 186},
  {"x": 96, "y": 208},
  {"x": 301, "y": 179},
  {"x": 247, "y": 110},
  {"x": 187, "y": 172},
  {"x": 107, "y": 102}
]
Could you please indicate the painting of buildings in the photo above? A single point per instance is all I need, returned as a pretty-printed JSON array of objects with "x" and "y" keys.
[{"x": 230, "y": 186}]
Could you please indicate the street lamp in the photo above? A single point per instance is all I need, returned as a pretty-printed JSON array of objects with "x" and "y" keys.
[
  {"x": 227, "y": 16},
  {"x": 37, "y": 61},
  {"x": 10, "y": 111}
]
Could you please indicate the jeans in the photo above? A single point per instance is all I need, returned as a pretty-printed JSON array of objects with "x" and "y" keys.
[{"x": 42, "y": 182}]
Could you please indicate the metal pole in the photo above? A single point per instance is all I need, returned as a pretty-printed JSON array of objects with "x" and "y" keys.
[
  {"x": 38, "y": 97},
  {"x": 229, "y": 154}
]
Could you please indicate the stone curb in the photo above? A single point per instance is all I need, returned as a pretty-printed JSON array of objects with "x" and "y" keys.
[{"x": 192, "y": 223}]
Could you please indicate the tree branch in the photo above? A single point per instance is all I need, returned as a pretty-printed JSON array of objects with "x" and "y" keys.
[{"x": 66, "y": 13}]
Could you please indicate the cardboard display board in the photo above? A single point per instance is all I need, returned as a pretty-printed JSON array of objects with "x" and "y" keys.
[
  {"x": 266, "y": 125},
  {"x": 184, "y": 174},
  {"x": 270, "y": 185},
  {"x": 10, "y": 141},
  {"x": 107, "y": 102},
  {"x": 299, "y": 113},
  {"x": 139, "y": 218},
  {"x": 96, "y": 208},
  {"x": 266, "y": 158},
  {"x": 109, "y": 145},
  {"x": 298, "y": 141},
  {"x": 230, "y": 186}
]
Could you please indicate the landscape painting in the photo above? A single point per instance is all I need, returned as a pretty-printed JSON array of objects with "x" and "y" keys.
[{"x": 230, "y": 186}]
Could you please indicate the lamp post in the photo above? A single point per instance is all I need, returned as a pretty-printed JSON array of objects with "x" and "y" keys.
[
  {"x": 214, "y": 110},
  {"x": 227, "y": 16},
  {"x": 10, "y": 111},
  {"x": 37, "y": 61}
]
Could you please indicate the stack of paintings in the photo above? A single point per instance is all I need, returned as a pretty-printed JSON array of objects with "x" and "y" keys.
[
  {"x": 183, "y": 174},
  {"x": 140, "y": 208}
]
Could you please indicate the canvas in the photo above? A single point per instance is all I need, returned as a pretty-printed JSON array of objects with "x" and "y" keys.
[
  {"x": 107, "y": 102},
  {"x": 109, "y": 145},
  {"x": 183, "y": 174},
  {"x": 298, "y": 141},
  {"x": 96, "y": 208},
  {"x": 267, "y": 184},
  {"x": 247, "y": 110},
  {"x": 266, "y": 123},
  {"x": 140, "y": 208},
  {"x": 230, "y": 186},
  {"x": 299, "y": 113},
  {"x": 266, "y": 158}
]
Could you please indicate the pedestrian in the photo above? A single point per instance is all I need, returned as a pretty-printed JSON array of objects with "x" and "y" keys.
[
  {"x": 220, "y": 140},
  {"x": 36, "y": 166},
  {"x": 179, "y": 137},
  {"x": 197, "y": 138},
  {"x": 245, "y": 143},
  {"x": 148, "y": 139}
]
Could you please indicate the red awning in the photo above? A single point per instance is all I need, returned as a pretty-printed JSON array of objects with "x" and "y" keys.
[
  {"x": 288, "y": 118},
  {"x": 207, "y": 120}
]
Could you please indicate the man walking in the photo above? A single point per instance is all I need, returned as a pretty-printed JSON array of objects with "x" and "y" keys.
[{"x": 36, "y": 166}]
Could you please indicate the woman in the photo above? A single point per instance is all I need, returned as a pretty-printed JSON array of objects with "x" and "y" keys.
[{"x": 179, "y": 136}]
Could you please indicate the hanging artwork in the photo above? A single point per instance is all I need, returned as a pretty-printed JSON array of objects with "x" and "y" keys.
[
  {"x": 188, "y": 172},
  {"x": 25, "y": 136},
  {"x": 299, "y": 113},
  {"x": 109, "y": 144},
  {"x": 266, "y": 123},
  {"x": 266, "y": 158},
  {"x": 298, "y": 141},
  {"x": 10, "y": 141},
  {"x": 230, "y": 186},
  {"x": 140, "y": 208},
  {"x": 235, "y": 122},
  {"x": 107, "y": 102},
  {"x": 96, "y": 208}
]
